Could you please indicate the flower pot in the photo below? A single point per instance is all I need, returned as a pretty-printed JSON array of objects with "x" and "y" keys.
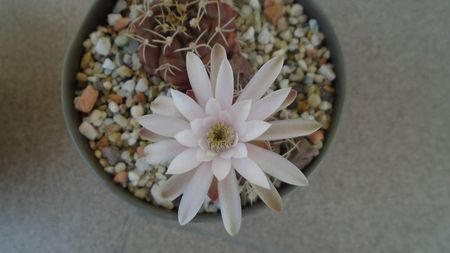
[{"x": 96, "y": 16}]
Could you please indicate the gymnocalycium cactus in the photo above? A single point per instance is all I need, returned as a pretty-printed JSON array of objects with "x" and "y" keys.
[{"x": 168, "y": 29}]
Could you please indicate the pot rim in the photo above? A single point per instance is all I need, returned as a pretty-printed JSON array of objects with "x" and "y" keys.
[{"x": 96, "y": 16}]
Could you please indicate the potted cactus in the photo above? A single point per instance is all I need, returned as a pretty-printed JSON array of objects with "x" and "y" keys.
[{"x": 187, "y": 107}]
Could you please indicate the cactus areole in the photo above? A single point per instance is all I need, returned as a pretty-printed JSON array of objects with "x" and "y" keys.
[{"x": 167, "y": 30}]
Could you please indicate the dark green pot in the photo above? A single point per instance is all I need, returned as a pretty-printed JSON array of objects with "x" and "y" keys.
[{"x": 96, "y": 16}]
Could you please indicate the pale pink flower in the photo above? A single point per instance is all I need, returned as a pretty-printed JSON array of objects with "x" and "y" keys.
[{"x": 209, "y": 137}]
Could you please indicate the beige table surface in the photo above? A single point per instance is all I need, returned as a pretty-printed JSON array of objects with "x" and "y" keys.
[{"x": 384, "y": 187}]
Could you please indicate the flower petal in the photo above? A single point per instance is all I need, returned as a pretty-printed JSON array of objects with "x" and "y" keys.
[
  {"x": 184, "y": 162},
  {"x": 254, "y": 129},
  {"x": 218, "y": 53},
  {"x": 198, "y": 77},
  {"x": 268, "y": 105},
  {"x": 163, "y": 151},
  {"x": 262, "y": 80},
  {"x": 290, "y": 128},
  {"x": 163, "y": 125},
  {"x": 270, "y": 197},
  {"x": 176, "y": 184},
  {"x": 251, "y": 172},
  {"x": 187, "y": 106},
  {"x": 213, "y": 107},
  {"x": 195, "y": 193},
  {"x": 225, "y": 85},
  {"x": 276, "y": 165},
  {"x": 204, "y": 155},
  {"x": 240, "y": 110},
  {"x": 148, "y": 135},
  {"x": 289, "y": 100},
  {"x": 230, "y": 203},
  {"x": 221, "y": 167},
  {"x": 187, "y": 138},
  {"x": 164, "y": 105},
  {"x": 240, "y": 151}
]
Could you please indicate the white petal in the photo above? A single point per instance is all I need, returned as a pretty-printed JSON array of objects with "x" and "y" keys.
[
  {"x": 164, "y": 105},
  {"x": 221, "y": 167},
  {"x": 270, "y": 197},
  {"x": 218, "y": 53},
  {"x": 289, "y": 100},
  {"x": 204, "y": 155},
  {"x": 187, "y": 138},
  {"x": 195, "y": 193},
  {"x": 163, "y": 125},
  {"x": 254, "y": 129},
  {"x": 197, "y": 127},
  {"x": 290, "y": 128},
  {"x": 251, "y": 172},
  {"x": 184, "y": 162},
  {"x": 240, "y": 110},
  {"x": 187, "y": 106},
  {"x": 262, "y": 80},
  {"x": 163, "y": 151},
  {"x": 225, "y": 85},
  {"x": 276, "y": 165},
  {"x": 268, "y": 105},
  {"x": 213, "y": 107},
  {"x": 148, "y": 135},
  {"x": 176, "y": 184},
  {"x": 198, "y": 77},
  {"x": 230, "y": 203},
  {"x": 240, "y": 151}
]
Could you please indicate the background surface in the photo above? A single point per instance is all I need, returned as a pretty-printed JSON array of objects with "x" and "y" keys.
[{"x": 384, "y": 186}]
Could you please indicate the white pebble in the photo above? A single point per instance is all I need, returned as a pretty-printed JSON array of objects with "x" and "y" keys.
[
  {"x": 142, "y": 165},
  {"x": 325, "y": 105},
  {"x": 112, "y": 18},
  {"x": 264, "y": 36},
  {"x": 108, "y": 64},
  {"x": 246, "y": 11},
  {"x": 96, "y": 117},
  {"x": 103, "y": 46},
  {"x": 107, "y": 85},
  {"x": 121, "y": 5},
  {"x": 249, "y": 35},
  {"x": 142, "y": 85},
  {"x": 133, "y": 176},
  {"x": 255, "y": 4},
  {"x": 113, "y": 107},
  {"x": 95, "y": 36},
  {"x": 129, "y": 85},
  {"x": 135, "y": 11},
  {"x": 159, "y": 200},
  {"x": 327, "y": 72},
  {"x": 121, "y": 120},
  {"x": 296, "y": 10},
  {"x": 88, "y": 130},
  {"x": 119, "y": 167},
  {"x": 284, "y": 83},
  {"x": 137, "y": 111}
]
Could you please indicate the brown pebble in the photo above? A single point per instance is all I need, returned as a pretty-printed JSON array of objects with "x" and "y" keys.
[
  {"x": 87, "y": 58},
  {"x": 140, "y": 151},
  {"x": 323, "y": 61},
  {"x": 116, "y": 98},
  {"x": 103, "y": 142},
  {"x": 140, "y": 98},
  {"x": 121, "y": 177},
  {"x": 273, "y": 10},
  {"x": 282, "y": 24},
  {"x": 87, "y": 100},
  {"x": 81, "y": 77},
  {"x": 303, "y": 106},
  {"x": 316, "y": 137},
  {"x": 121, "y": 24},
  {"x": 92, "y": 145}
]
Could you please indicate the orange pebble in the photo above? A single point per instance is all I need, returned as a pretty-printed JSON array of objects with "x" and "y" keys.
[
  {"x": 115, "y": 98},
  {"x": 316, "y": 137},
  {"x": 121, "y": 177},
  {"x": 87, "y": 100},
  {"x": 140, "y": 98},
  {"x": 140, "y": 151},
  {"x": 303, "y": 106}
]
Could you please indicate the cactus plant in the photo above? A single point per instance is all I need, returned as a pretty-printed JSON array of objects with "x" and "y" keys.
[{"x": 168, "y": 29}]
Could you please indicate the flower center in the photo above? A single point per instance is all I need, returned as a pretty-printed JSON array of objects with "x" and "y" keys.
[{"x": 220, "y": 137}]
